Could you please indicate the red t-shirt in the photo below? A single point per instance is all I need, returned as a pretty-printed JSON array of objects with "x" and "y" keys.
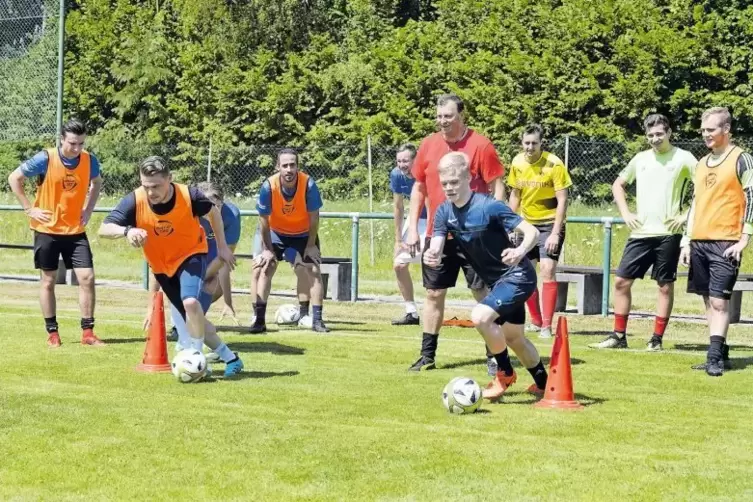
[{"x": 485, "y": 166}]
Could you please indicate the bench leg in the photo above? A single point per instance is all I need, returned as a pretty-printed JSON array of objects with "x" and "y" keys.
[
  {"x": 325, "y": 281},
  {"x": 590, "y": 295},
  {"x": 561, "y": 304},
  {"x": 343, "y": 282},
  {"x": 735, "y": 306}
]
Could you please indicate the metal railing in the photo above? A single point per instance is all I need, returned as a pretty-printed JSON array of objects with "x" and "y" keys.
[{"x": 355, "y": 218}]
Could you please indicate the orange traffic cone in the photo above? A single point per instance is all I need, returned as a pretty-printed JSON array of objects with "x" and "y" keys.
[
  {"x": 155, "y": 352},
  {"x": 559, "y": 386}
]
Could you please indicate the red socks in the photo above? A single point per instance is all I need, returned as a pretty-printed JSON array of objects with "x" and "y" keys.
[
  {"x": 550, "y": 301},
  {"x": 533, "y": 308},
  {"x": 660, "y": 324},
  {"x": 620, "y": 323}
]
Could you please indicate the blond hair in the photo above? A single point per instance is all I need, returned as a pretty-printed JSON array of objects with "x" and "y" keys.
[
  {"x": 455, "y": 162},
  {"x": 719, "y": 110}
]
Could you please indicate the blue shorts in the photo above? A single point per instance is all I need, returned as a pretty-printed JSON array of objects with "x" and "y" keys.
[
  {"x": 285, "y": 247},
  {"x": 211, "y": 250},
  {"x": 509, "y": 294},
  {"x": 186, "y": 283}
]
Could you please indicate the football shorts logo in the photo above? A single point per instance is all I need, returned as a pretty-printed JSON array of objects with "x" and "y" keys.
[
  {"x": 710, "y": 180},
  {"x": 163, "y": 228},
  {"x": 69, "y": 182}
]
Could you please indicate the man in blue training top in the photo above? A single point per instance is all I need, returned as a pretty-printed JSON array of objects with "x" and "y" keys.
[
  {"x": 401, "y": 184},
  {"x": 481, "y": 227},
  {"x": 288, "y": 205}
]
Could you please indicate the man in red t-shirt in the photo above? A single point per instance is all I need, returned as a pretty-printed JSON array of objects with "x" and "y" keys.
[{"x": 486, "y": 173}]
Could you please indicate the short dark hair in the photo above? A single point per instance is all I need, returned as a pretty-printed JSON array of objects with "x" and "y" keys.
[
  {"x": 407, "y": 147},
  {"x": 443, "y": 99},
  {"x": 533, "y": 129},
  {"x": 211, "y": 190},
  {"x": 154, "y": 165},
  {"x": 288, "y": 151},
  {"x": 73, "y": 126},
  {"x": 656, "y": 119}
]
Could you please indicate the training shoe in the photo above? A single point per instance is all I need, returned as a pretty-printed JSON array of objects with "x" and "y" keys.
[
  {"x": 654, "y": 345},
  {"x": 497, "y": 387},
  {"x": 53, "y": 340},
  {"x": 533, "y": 328},
  {"x": 319, "y": 327},
  {"x": 534, "y": 389},
  {"x": 255, "y": 329},
  {"x": 714, "y": 368},
  {"x": 545, "y": 333},
  {"x": 424, "y": 363},
  {"x": 611, "y": 342},
  {"x": 212, "y": 357},
  {"x": 406, "y": 320},
  {"x": 234, "y": 367},
  {"x": 172, "y": 336},
  {"x": 726, "y": 364},
  {"x": 306, "y": 322},
  {"x": 491, "y": 366},
  {"x": 89, "y": 338}
]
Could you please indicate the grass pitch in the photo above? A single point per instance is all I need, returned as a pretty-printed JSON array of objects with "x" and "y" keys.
[{"x": 337, "y": 417}]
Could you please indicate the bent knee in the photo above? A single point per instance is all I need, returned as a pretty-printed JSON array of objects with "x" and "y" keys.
[
  {"x": 622, "y": 284},
  {"x": 435, "y": 295},
  {"x": 191, "y": 305},
  {"x": 481, "y": 314}
]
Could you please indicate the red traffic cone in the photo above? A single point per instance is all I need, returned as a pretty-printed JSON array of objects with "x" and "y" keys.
[
  {"x": 155, "y": 352},
  {"x": 559, "y": 386}
]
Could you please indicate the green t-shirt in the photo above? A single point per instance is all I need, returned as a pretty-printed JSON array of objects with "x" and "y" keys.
[{"x": 662, "y": 181}]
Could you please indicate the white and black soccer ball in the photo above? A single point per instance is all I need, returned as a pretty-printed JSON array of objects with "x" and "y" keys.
[
  {"x": 189, "y": 366},
  {"x": 462, "y": 396},
  {"x": 287, "y": 315}
]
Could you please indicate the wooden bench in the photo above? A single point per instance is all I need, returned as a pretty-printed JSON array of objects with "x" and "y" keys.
[
  {"x": 588, "y": 281},
  {"x": 340, "y": 270}
]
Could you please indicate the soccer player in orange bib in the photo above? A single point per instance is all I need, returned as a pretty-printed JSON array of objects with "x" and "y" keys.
[
  {"x": 719, "y": 229},
  {"x": 162, "y": 218},
  {"x": 58, "y": 218}
]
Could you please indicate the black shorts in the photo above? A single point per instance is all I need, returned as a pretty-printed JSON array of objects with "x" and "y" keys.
[
  {"x": 540, "y": 251},
  {"x": 661, "y": 253},
  {"x": 286, "y": 247},
  {"x": 75, "y": 250},
  {"x": 711, "y": 274},
  {"x": 185, "y": 283},
  {"x": 447, "y": 274}
]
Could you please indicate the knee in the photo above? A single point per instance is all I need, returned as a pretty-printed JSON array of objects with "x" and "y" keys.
[
  {"x": 622, "y": 285},
  {"x": 547, "y": 269},
  {"x": 481, "y": 315},
  {"x": 192, "y": 306},
  {"x": 718, "y": 305},
  {"x": 666, "y": 289},
  {"x": 435, "y": 295},
  {"x": 48, "y": 282},
  {"x": 270, "y": 270},
  {"x": 399, "y": 266}
]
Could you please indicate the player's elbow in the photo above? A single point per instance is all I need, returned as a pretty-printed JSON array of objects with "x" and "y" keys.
[{"x": 15, "y": 179}]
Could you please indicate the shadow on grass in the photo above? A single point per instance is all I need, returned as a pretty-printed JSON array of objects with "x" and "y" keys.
[
  {"x": 116, "y": 341},
  {"x": 703, "y": 347},
  {"x": 602, "y": 332},
  {"x": 263, "y": 374},
  {"x": 515, "y": 363},
  {"x": 271, "y": 347},
  {"x": 583, "y": 399}
]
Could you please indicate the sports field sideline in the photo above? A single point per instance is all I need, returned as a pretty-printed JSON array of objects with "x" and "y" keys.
[{"x": 337, "y": 416}]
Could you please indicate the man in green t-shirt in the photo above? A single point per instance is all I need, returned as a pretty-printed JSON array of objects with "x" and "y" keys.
[{"x": 662, "y": 176}]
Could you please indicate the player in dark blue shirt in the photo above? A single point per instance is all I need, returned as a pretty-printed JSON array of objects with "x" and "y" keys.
[{"x": 480, "y": 226}]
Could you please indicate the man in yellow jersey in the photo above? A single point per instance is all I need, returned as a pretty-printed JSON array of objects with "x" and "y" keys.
[
  {"x": 662, "y": 178},
  {"x": 719, "y": 229},
  {"x": 539, "y": 181},
  {"x": 162, "y": 218},
  {"x": 288, "y": 205},
  {"x": 58, "y": 218}
]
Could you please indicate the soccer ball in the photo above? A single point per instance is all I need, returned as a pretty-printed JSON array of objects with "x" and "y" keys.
[
  {"x": 461, "y": 396},
  {"x": 287, "y": 315},
  {"x": 189, "y": 366}
]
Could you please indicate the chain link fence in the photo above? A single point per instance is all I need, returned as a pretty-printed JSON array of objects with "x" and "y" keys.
[{"x": 28, "y": 69}]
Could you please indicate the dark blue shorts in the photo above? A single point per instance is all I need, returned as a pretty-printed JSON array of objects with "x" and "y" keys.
[
  {"x": 285, "y": 247},
  {"x": 509, "y": 294},
  {"x": 211, "y": 250},
  {"x": 186, "y": 283}
]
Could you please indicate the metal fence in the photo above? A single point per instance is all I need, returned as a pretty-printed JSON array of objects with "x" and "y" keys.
[{"x": 29, "y": 69}]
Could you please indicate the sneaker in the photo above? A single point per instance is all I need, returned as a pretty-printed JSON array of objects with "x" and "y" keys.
[
  {"x": 406, "y": 320},
  {"x": 499, "y": 384},
  {"x": 234, "y": 367},
  {"x": 534, "y": 389},
  {"x": 319, "y": 327},
  {"x": 173, "y": 335},
  {"x": 423, "y": 363},
  {"x": 533, "y": 328},
  {"x": 53, "y": 340},
  {"x": 306, "y": 322},
  {"x": 714, "y": 368},
  {"x": 491, "y": 366},
  {"x": 726, "y": 364},
  {"x": 212, "y": 357},
  {"x": 89, "y": 338},
  {"x": 256, "y": 329},
  {"x": 545, "y": 333},
  {"x": 654, "y": 345},
  {"x": 611, "y": 342}
]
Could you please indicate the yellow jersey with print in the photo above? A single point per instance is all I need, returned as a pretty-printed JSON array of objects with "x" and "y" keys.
[{"x": 538, "y": 183}]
